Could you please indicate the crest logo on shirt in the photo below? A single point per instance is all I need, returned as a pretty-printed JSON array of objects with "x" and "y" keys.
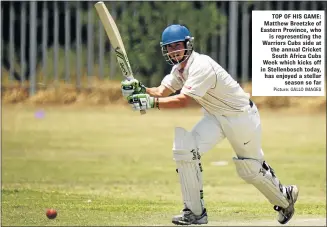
[{"x": 188, "y": 87}]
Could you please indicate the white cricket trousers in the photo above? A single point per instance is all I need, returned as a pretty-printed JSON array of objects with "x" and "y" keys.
[{"x": 243, "y": 131}]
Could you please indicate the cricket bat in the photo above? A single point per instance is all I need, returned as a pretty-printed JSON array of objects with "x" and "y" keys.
[{"x": 116, "y": 41}]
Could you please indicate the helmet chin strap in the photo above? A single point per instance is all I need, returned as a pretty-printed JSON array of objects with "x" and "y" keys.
[
  {"x": 185, "y": 56},
  {"x": 179, "y": 62}
]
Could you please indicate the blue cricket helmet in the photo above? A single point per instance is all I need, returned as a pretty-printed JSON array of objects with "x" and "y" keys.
[{"x": 176, "y": 33}]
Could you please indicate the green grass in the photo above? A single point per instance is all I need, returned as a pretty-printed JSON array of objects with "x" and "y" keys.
[{"x": 111, "y": 166}]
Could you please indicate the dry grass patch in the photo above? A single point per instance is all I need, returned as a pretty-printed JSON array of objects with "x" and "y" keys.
[{"x": 105, "y": 92}]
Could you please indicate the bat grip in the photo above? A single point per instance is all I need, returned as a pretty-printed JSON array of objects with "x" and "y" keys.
[{"x": 142, "y": 112}]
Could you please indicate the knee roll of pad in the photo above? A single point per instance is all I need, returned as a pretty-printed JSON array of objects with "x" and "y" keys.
[
  {"x": 184, "y": 147},
  {"x": 259, "y": 174},
  {"x": 184, "y": 140}
]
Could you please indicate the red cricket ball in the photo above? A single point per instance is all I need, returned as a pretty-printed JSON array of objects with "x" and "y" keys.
[{"x": 51, "y": 213}]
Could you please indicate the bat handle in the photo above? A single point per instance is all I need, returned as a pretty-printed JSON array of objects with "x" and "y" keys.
[{"x": 142, "y": 112}]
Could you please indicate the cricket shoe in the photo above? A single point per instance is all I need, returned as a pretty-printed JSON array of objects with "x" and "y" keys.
[
  {"x": 285, "y": 214},
  {"x": 189, "y": 218}
]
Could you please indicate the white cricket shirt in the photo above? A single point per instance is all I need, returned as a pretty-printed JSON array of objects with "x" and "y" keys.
[{"x": 209, "y": 84}]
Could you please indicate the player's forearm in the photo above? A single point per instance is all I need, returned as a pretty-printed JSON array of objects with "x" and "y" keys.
[
  {"x": 155, "y": 92},
  {"x": 176, "y": 101}
]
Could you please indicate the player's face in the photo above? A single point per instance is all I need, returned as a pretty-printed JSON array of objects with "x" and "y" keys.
[{"x": 176, "y": 51}]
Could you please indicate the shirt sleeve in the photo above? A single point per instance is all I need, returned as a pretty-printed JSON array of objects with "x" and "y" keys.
[
  {"x": 200, "y": 79},
  {"x": 171, "y": 82}
]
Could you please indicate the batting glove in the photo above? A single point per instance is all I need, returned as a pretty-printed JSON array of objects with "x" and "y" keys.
[{"x": 141, "y": 101}]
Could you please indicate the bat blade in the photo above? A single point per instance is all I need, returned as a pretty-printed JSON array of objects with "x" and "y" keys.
[{"x": 116, "y": 41}]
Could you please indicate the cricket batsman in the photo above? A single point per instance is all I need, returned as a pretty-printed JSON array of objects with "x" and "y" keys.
[{"x": 228, "y": 113}]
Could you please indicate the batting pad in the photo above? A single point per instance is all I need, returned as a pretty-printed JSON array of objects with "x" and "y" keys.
[
  {"x": 189, "y": 170},
  {"x": 252, "y": 172}
]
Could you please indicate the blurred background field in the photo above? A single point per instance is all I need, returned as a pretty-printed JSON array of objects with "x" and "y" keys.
[
  {"x": 71, "y": 142},
  {"x": 57, "y": 52},
  {"x": 45, "y": 44}
]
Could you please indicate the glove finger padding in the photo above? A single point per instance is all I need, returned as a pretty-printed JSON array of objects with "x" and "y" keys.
[
  {"x": 130, "y": 87},
  {"x": 127, "y": 90}
]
